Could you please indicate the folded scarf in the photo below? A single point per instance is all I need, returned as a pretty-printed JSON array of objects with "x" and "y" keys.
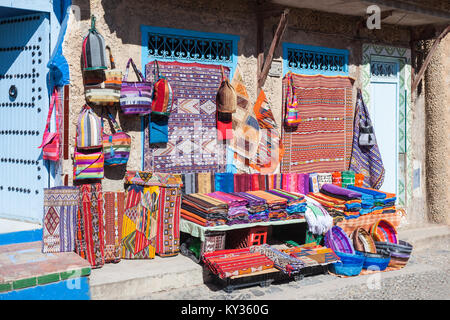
[
  {"x": 252, "y": 199},
  {"x": 234, "y": 211},
  {"x": 340, "y": 193},
  {"x": 270, "y": 198},
  {"x": 205, "y": 201},
  {"x": 229, "y": 198},
  {"x": 375, "y": 193}
]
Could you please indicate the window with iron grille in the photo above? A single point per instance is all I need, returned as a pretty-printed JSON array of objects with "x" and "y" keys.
[{"x": 304, "y": 59}]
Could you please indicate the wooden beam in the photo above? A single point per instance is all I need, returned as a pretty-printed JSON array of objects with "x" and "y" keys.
[
  {"x": 421, "y": 72},
  {"x": 259, "y": 44},
  {"x": 275, "y": 42}
]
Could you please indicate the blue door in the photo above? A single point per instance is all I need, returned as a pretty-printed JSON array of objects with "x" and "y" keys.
[
  {"x": 384, "y": 97},
  {"x": 24, "y": 102}
]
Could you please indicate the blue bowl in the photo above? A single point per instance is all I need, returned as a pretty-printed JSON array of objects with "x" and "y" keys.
[
  {"x": 374, "y": 261},
  {"x": 346, "y": 269}
]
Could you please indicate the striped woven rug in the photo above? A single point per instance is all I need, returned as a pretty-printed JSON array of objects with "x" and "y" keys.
[{"x": 322, "y": 142}]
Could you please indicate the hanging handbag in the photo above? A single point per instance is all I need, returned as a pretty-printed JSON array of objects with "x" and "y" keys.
[
  {"x": 292, "y": 115},
  {"x": 135, "y": 97},
  {"x": 106, "y": 92},
  {"x": 162, "y": 95},
  {"x": 116, "y": 146},
  {"x": 226, "y": 99},
  {"x": 89, "y": 129},
  {"x": 88, "y": 165},
  {"x": 93, "y": 49},
  {"x": 50, "y": 142},
  {"x": 366, "y": 134}
]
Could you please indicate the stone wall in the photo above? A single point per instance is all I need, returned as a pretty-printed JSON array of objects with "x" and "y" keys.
[{"x": 119, "y": 22}]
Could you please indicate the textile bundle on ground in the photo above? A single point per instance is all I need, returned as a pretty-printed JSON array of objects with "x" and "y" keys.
[
  {"x": 114, "y": 209},
  {"x": 151, "y": 218},
  {"x": 90, "y": 243},
  {"x": 60, "y": 218},
  {"x": 235, "y": 262},
  {"x": 321, "y": 142},
  {"x": 365, "y": 160},
  {"x": 192, "y": 137}
]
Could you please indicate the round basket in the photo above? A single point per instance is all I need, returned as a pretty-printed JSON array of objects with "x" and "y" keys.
[
  {"x": 338, "y": 241},
  {"x": 400, "y": 253},
  {"x": 363, "y": 241},
  {"x": 375, "y": 261},
  {"x": 350, "y": 264},
  {"x": 384, "y": 231}
]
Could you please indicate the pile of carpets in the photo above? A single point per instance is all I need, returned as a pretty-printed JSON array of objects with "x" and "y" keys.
[
  {"x": 235, "y": 262},
  {"x": 276, "y": 205},
  {"x": 204, "y": 210},
  {"x": 296, "y": 203},
  {"x": 257, "y": 207},
  {"x": 237, "y": 207}
]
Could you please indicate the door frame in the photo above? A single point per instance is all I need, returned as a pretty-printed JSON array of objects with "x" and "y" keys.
[{"x": 404, "y": 162}]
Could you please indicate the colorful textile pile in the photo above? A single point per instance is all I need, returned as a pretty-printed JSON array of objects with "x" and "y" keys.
[
  {"x": 276, "y": 205},
  {"x": 192, "y": 135},
  {"x": 204, "y": 210},
  {"x": 257, "y": 207},
  {"x": 375, "y": 201},
  {"x": 151, "y": 217},
  {"x": 321, "y": 142},
  {"x": 237, "y": 207},
  {"x": 282, "y": 261},
  {"x": 60, "y": 218},
  {"x": 235, "y": 262},
  {"x": 90, "y": 244},
  {"x": 202, "y": 182},
  {"x": 313, "y": 254},
  {"x": 296, "y": 203}
]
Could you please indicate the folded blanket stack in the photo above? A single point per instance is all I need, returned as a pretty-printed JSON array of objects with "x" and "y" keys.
[
  {"x": 276, "y": 205},
  {"x": 296, "y": 203},
  {"x": 312, "y": 254},
  {"x": 257, "y": 207},
  {"x": 237, "y": 207},
  {"x": 339, "y": 201},
  {"x": 204, "y": 210},
  {"x": 235, "y": 262},
  {"x": 375, "y": 201}
]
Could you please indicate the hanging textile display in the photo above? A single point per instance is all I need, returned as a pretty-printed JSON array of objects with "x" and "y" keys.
[
  {"x": 60, "y": 214},
  {"x": 365, "y": 160},
  {"x": 152, "y": 211},
  {"x": 321, "y": 141},
  {"x": 89, "y": 243},
  {"x": 270, "y": 149},
  {"x": 114, "y": 209},
  {"x": 192, "y": 137}
]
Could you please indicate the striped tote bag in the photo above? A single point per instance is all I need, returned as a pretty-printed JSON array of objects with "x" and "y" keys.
[
  {"x": 89, "y": 129},
  {"x": 116, "y": 146},
  {"x": 135, "y": 97}
]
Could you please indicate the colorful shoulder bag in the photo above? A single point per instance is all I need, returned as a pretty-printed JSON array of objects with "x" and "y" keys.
[
  {"x": 292, "y": 116},
  {"x": 116, "y": 146},
  {"x": 50, "y": 142},
  {"x": 135, "y": 97},
  {"x": 162, "y": 95},
  {"x": 89, "y": 129},
  {"x": 105, "y": 92}
]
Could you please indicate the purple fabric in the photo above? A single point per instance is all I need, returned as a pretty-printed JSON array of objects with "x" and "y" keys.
[
  {"x": 252, "y": 199},
  {"x": 230, "y": 199},
  {"x": 334, "y": 189},
  {"x": 233, "y": 211},
  {"x": 303, "y": 183}
]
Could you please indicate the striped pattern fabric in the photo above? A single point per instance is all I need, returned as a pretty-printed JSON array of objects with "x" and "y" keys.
[
  {"x": 168, "y": 225},
  {"x": 90, "y": 242},
  {"x": 116, "y": 146},
  {"x": 192, "y": 135},
  {"x": 321, "y": 142},
  {"x": 114, "y": 203},
  {"x": 366, "y": 161},
  {"x": 291, "y": 117},
  {"x": 93, "y": 51},
  {"x": 135, "y": 97},
  {"x": 89, "y": 129},
  {"x": 367, "y": 221},
  {"x": 106, "y": 93},
  {"x": 88, "y": 165},
  {"x": 59, "y": 223}
]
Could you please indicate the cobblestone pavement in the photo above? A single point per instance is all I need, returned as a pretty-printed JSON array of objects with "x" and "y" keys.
[{"x": 426, "y": 276}]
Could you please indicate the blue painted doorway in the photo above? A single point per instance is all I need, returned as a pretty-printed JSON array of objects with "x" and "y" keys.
[{"x": 24, "y": 103}]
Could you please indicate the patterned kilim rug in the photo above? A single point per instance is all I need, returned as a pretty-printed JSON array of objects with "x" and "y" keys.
[
  {"x": 192, "y": 137},
  {"x": 322, "y": 142}
]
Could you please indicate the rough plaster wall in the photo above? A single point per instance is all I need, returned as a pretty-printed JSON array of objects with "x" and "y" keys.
[
  {"x": 119, "y": 22},
  {"x": 438, "y": 132}
]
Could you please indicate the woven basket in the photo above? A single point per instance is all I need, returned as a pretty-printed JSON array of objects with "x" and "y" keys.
[
  {"x": 384, "y": 231},
  {"x": 375, "y": 261},
  {"x": 363, "y": 241},
  {"x": 350, "y": 264},
  {"x": 400, "y": 253},
  {"x": 338, "y": 240}
]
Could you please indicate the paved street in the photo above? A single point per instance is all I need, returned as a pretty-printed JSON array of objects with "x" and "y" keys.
[{"x": 427, "y": 276}]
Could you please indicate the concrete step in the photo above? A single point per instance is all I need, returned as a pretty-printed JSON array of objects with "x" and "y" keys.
[
  {"x": 422, "y": 237},
  {"x": 143, "y": 277}
]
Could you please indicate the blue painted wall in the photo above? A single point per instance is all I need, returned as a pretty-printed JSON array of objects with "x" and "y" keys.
[{"x": 21, "y": 236}]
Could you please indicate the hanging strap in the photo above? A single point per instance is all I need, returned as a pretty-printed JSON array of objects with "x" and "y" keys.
[
  {"x": 113, "y": 121},
  {"x": 49, "y": 116},
  {"x": 92, "y": 23},
  {"x": 111, "y": 59},
  {"x": 223, "y": 73},
  {"x": 136, "y": 71}
]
